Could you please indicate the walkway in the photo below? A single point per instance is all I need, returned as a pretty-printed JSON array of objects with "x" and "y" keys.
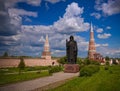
[{"x": 39, "y": 84}]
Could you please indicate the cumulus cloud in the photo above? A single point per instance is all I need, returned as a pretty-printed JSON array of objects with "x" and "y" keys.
[
  {"x": 6, "y": 28},
  {"x": 21, "y": 12},
  {"x": 12, "y": 3},
  {"x": 108, "y": 27},
  {"x": 102, "y": 45},
  {"x": 104, "y": 36},
  {"x": 110, "y": 7},
  {"x": 69, "y": 24},
  {"x": 106, "y": 51},
  {"x": 71, "y": 21},
  {"x": 30, "y": 38},
  {"x": 33, "y": 2},
  {"x": 99, "y": 30},
  {"x": 54, "y": 1},
  {"x": 96, "y": 15}
]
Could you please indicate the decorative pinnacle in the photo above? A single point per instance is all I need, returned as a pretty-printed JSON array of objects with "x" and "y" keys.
[{"x": 91, "y": 28}]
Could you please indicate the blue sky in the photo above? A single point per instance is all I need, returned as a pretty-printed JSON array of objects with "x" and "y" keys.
[{"x": 24, "y": 24}]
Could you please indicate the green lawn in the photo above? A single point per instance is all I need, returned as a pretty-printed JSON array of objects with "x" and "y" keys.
[
  {"x": 11, "y": 78},
  {"x": 104, "y": 80},
  {"x": 11, "y": 75}
]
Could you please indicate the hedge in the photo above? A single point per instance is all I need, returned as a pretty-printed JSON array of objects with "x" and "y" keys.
[
  {"x": 55, "y": 69},
  {"x": 89, "y": 70}
]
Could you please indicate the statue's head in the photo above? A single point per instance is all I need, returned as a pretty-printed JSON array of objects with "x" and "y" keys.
[{"x": 71, "y": 37}]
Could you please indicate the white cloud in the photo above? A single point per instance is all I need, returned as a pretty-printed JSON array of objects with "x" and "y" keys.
[
  {"x": 71, "y": 21},
  {"x": 12, "y": 3},
  {"x": 99, "y": 30},
  {"x": 96, "y": 15},
  {"x": 73, "y": 10},
  {"x": 30, "y": 40},
  {"x": 37, "y": 29},
  {"x": 15, "y": 16},
  {"x": 105, "y": 44},
  {"x": 106, "y": 51},
  {"x": 108, "y": 8},
  {"x": 104, "y": 36},
  {"x": 27, "y": 19},
  {"x": 102, "y": 45},
  {"x": 34, "y": 2},
  {"x": 14, "y": 11},
  {"x": 42, "y": 39},
  {"x": 108, "y": 27},
  {"x": 54, "y": 1}
]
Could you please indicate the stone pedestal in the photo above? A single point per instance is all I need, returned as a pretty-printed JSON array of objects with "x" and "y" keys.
[{"x": 71, "y": 68}]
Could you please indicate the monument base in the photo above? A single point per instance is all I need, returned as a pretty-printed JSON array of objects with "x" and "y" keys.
[{"x": 71, "y": 68}]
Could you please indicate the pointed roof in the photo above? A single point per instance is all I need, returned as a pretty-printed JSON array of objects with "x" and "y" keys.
[
  {"x": 46, "y": 41},
  {"x": 91, "y": 27}
]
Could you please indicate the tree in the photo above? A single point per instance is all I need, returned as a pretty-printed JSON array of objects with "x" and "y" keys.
[
  {"x": 5, "y": 54},
  {"x": 21, "y": 65},
  {"x": 107, "y": 58},
  {"x": 62, "y": 60},
  {"x": 87, "y": 61},
  {"x": 79, "y": 61}
]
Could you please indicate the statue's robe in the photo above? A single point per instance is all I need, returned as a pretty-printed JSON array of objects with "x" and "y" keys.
[{"x": 71, "y": 48}]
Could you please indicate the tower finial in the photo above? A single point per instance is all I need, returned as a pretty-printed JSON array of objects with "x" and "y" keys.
[{"x": 91, "y": 27}]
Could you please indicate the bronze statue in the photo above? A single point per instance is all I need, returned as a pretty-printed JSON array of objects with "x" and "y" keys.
[{"x": 71, "y": 50}]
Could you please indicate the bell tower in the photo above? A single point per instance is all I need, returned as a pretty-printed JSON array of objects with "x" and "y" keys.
[
  {"x": 46, "y": 52},
  {"x": 92, "y": 49}
]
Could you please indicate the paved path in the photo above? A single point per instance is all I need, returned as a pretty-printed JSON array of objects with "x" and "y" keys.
[{"x": 38, "y": 83}]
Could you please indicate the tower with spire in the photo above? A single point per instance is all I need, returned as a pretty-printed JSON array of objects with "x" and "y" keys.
[
  {"x": 46, "y": 52},
  {"x": 92, "y": 49}
]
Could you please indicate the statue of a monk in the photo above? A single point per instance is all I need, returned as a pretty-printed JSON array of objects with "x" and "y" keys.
[{"x": 71, "y": 50}]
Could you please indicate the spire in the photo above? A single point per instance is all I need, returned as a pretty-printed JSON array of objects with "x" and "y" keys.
[
  {"x": 46, "y": 52},
  {"x": 92, "y": 49},
  {"x": 91, "y": 27},
  {"x": 46, "y": 46}
]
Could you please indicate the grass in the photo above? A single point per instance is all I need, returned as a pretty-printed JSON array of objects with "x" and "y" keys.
[
  {"x": 15, "y": 69},
  {"x": 104, "y": 80},
  {"x": 12, "y": 78},
  {"x": 11, "y": 75}
]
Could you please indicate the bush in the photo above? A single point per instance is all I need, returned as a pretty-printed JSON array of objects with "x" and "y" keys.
[
  {"x": 86, "y": 61},
  {"x": 5, "y": 54},
  {"x": 94, "y": 62},
  {"x": 37, "y": 68},
  {"x": 107, "y": 62},
  {"x": 62, "y": 60},
  {"x": 89, "y": 70},
  {"x": 21, "y": 65},
  {"x": 55, "y": 69}
]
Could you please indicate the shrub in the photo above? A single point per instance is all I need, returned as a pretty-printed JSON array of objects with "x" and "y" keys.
[
  {"x": 62, "y": 60},
  {"x": 107, "y": 62},
  {"x": 21, "y": 65},
  {"x": 89, "y": 70},
  {"x": 37, "y": 68},
  {"x": 55, "y": 69},
  {"x": 86, "y": 61},
  {"x": 5, "y": 54},
  {"x": 94, "y": 62}
]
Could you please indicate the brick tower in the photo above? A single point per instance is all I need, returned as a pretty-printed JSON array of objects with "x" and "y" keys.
[
  {"x": 46, "y": 52},
  {"x": 92, "y": 49}
]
